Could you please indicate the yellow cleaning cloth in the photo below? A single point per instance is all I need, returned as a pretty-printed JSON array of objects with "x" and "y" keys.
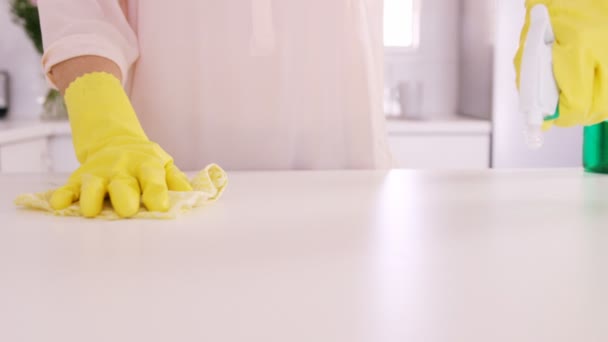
[{"x": 208, "y": 186}]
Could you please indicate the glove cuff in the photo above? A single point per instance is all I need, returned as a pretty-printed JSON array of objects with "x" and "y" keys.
[{"x": 99, "y": 110}]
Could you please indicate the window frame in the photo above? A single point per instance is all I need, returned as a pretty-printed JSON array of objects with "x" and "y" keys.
[{"x": 415, "y": 46}]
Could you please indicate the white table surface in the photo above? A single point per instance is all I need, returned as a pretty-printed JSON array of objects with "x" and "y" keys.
[{"x": 321, "y": 256}]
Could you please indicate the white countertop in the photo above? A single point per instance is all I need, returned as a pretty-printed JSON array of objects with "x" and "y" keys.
[
  {"x": 448, "y": 124},
  {"x": 17, "y": 130},
  {"x": 321, "y": 256}
]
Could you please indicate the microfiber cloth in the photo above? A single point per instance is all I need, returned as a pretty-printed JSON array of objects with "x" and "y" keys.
[{"x": 208, "y": 186}]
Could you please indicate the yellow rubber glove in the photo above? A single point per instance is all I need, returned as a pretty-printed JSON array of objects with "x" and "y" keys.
[
  {"x": 580, "y": 58},
  {"x": 115, "y": 155}
]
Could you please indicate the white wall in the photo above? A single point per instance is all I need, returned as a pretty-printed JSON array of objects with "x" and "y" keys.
[
  {"x": 19, "y": 57},
  {"x": 435, "y": 63},
  {"x": 563, "y": 147}
]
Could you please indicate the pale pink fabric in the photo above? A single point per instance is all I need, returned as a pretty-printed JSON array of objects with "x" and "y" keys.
[{"x": 247, "y": 84}]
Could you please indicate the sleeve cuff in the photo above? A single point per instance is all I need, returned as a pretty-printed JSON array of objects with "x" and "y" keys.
[{"x": 85, "y": 45}]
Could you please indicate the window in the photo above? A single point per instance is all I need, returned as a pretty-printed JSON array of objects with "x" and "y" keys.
[{"x": 401, "y": 24}]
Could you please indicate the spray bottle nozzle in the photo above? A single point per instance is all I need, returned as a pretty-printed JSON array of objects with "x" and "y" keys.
[
  {"x": 534, "y": 137},
  {"x": 539, "y": 95}
]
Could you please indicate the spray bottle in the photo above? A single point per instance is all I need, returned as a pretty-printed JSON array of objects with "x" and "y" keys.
[{"x": 539, "y": 95}]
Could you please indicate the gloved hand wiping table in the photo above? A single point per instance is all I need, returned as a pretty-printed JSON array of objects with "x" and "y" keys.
[{"x": 120, "y": 162}]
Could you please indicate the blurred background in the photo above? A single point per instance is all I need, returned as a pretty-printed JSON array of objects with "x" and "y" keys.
[{"x": 449, "y": 96}]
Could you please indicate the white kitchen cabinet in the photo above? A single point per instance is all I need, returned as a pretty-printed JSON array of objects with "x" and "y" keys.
[
  {"x": 441, "y": 152},
  {"x": 25, "y": 156},
  {"x": 450, "y": 143},
  {"x": 61, "y": 152},
  {"x": 35, "y": 146}
]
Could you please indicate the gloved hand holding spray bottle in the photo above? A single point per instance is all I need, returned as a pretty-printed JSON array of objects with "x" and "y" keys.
[{"x": 562, "y": 69}]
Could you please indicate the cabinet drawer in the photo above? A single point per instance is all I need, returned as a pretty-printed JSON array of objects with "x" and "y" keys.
[
  {"x": 25, "y": 156},
  {"x": 441, "y": 151}
]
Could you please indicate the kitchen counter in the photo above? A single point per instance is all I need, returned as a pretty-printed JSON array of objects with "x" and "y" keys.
[
  {"x": 398, "y": 256},
  {"x": 449, "y": 124},
  {"x": 16, "y": 130},
  {"x": 445, "y": 125},
  {"x": 450, "y": 142}
]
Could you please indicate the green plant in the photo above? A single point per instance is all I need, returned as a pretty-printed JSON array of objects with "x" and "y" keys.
[{"x": 25, "y": 14}]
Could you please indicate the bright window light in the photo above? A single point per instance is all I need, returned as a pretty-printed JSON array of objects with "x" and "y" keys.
[{"x": 399, "y": 19}]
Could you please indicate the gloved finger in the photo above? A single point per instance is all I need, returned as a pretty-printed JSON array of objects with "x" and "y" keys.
[
  {"x": 64, "y": 196},
  {"x": 574, "y": 73},
  {"x": 93, "y": 193},
  {"x": 599, "y": 108},
  {"x": 125, "y": 195},
  {"x": 154, "y": 187},
  {"x": 176, "y": 179}
]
